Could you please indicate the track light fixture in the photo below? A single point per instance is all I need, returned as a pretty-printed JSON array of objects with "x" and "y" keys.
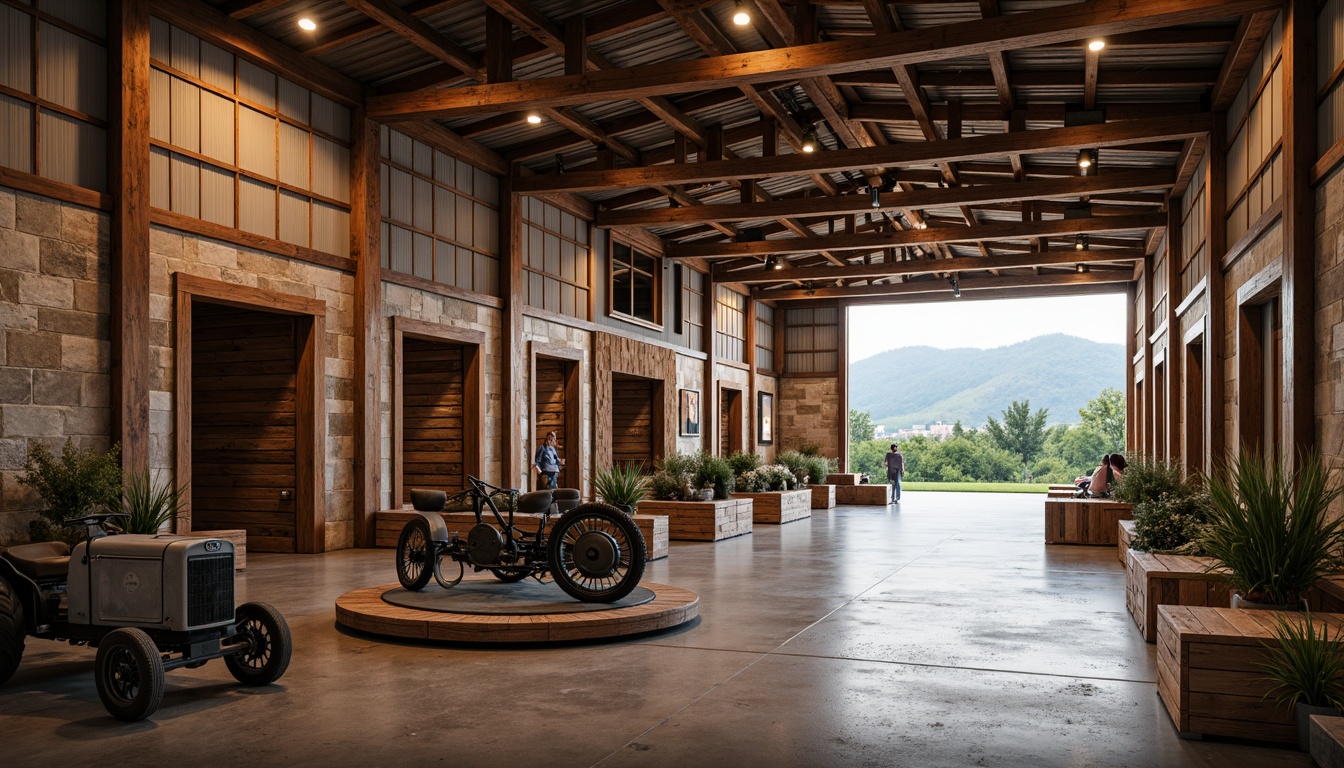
[
  {"x": 1080, "y": 243},
  {"x": 1080, "y": 268},
  {"x": 559, "y": 166},
  {"x": 809, "y": 141},
  {"x": 875, "y": 197},
  {"x": 534, "y": 117},
  {"x": 772, "y": 262},
  {"x": 741, "y": 17},
  {"x": 956, "y": 288},
  {"x": 810, "y": 289},
  {"x": 1087, "y": 161}
]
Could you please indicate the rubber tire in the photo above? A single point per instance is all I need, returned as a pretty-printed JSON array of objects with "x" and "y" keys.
[
  {"x": 638, "y": 553},
  {"x": 13, "y": 631},
  {"x": 148, "y": 664},
  {"x": 511, "y": 575},
  {"x": 278, "y": 641},
  {"x": 421, "y": 580}
]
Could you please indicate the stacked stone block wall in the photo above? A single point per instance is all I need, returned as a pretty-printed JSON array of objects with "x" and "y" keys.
[
  {"x": 808, "y": 411},
  {"x": 1330, "y": 321},
  {"x": 1266, "y": 249}
]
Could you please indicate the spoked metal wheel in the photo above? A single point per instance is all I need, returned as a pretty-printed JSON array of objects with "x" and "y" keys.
[
  {"x": 597, "y": 553},
  {"x": 415, "y": 553},
  {"x": 129, "y": 673},
  {"x": 269, "y": 645}
]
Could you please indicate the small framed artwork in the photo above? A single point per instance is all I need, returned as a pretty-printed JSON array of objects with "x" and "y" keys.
[
  {"x": 765, "y": 418},
  {"x": 688, "y": 413}
]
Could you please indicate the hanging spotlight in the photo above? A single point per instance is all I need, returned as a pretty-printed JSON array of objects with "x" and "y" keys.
[
  {"x": 559, "y": 166},
  {"x": 875, "y": 196},
  {"x": 307, "y": 24},
  {"x": 809, "y": 141},
  {"x": 534, "y": 117},
  {"x": 1080, "y": 268},
  {"x": 956, "y": 288},
  {"x": 740, "y": 15},
  {"x": 772, "y": 262},
  {"x": 1096, "y": 45},
  {"x": 810, "y": 289},
  {"x": 1084, "y": 159},
  {"x": 1080, "y": 243}
]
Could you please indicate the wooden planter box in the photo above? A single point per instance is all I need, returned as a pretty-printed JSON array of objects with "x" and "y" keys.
[
  {"x": 703, "y": 520},
  {"x": 1124, "y": 535},
  {"x": 390, "y": 522},
  {"x": 778, "y": 507},
  {"x": 843, "y": 478},
  {"x": 1153, "y": 580},
  {"x": 867, "y": 494},
  {"x": 1206, "y": 674},
  {"x": 823, "y": 496},
  {"x": 238, "y": 537},
  {"x": 1084, "y": 521},
  {"x": 1328, "y": 595},
  {"x": 1061, "y": 493}
]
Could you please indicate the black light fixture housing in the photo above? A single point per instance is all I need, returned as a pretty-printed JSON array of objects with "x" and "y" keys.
[
  {"x": 1080, "y": 243},
  {"x": 956, "y": 288},
  {"x": 875, "y": 196},
  {"x": 772, "y": 262},
  {"x": 810, "y": 144}
]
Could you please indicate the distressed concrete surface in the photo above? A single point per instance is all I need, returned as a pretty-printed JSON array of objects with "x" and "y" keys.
[{"x": 941, "y": 634}]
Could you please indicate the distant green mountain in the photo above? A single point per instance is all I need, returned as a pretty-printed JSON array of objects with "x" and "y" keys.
[{"x": 921, "y": 385}]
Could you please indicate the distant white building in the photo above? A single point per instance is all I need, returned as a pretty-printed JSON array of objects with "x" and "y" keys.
[
  {"x": 939, "y": 430},
  {"x": 879, "y": 431}
]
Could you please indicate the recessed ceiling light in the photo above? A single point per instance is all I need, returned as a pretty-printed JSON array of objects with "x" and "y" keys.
[
  {"x": 534, "y": 118},
  {"x": 1096, "y": 45},
  {"x": 809, "y": 142},
  {"x": 307, "y": 24},
  {"x": 740, "y": 16}
]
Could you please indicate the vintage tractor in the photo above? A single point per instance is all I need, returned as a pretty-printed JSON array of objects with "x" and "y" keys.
[{"x": 147, "y": 603}]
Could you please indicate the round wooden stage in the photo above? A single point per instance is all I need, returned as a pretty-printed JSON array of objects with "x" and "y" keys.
[{"x": 365, "y": 610}]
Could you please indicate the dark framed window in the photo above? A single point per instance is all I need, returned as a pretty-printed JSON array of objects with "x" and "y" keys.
[{"x": 635, "y": 284}]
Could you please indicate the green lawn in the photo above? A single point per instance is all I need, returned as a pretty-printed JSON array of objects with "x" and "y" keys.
[{"x": 978, "y": 487}]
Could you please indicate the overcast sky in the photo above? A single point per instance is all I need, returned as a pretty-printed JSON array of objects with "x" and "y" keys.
[{"x": 983, "y": 324}]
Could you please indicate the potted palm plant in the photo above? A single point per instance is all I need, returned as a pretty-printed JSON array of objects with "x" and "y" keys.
[
  {"x": 622, "y": 487},
  {"x": 1271, "y": 528},
  {"x": 1306, "y": 665},
  {"x": 150, "y": 505}
]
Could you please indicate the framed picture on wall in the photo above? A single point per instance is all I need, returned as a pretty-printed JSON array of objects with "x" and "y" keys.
[
  {"x": 688, "y": 413},
  {"x": 765, "y": 418}
]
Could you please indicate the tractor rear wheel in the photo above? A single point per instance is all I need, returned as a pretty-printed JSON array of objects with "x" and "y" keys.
[{"x": 12, "y": 630}]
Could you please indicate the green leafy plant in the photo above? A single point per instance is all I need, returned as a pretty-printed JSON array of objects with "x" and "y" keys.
[
  {"x": 150, "y": 504},
  {"x": 809, "y": 469},
  {"x": 621, "y": 485},
  {"x": 1305, "y": 663},
  {"x": 742, "y": 463},
  {"x": 71, "y": 484},
  {"x": 714, "y": 472},
  {"x": 1173, "y": 524},
  {"x": 1271, "y": 528},
  {"x": 1147, "y": 480}
]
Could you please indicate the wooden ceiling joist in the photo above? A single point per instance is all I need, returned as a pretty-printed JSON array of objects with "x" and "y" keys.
[
  {"x": 939, "y": 286},
  {"x": 912, "y": 267},
  {"x": 1019, "y": 30}
]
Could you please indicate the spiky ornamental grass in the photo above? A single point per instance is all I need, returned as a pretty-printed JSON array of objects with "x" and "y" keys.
[
  {"x": 621, "y": 485},
  {"x": 1271, "y": 528},
  {"x": 150, "y": 505},
  {"x": 1306, "y": 665}
]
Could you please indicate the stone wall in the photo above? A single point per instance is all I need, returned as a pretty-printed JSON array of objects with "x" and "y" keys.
[
  {"x": 55, "y": 295},
  {"x": 808, "y": 411},
  {"x": 550, "y": 332},
  {"x": 1330, "y": 320},
  {"x": 171, "y": 252},
  {"x": 768, "y": 384},
  {"x": 691, "y": 375}
]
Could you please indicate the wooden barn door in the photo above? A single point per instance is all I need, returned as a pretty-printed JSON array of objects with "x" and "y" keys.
[
  {"x": 432, "y": 416},
  {"x": 555, "y": 405},
  {"x": 730, "y": 421},
  {"x": 634, "y": 426},
  {"x": 244, "y": 395}
]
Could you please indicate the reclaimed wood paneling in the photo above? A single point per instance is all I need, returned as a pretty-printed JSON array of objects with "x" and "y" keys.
[
  {"x": 432, "y": 409},
  {"x": 616, "y": 356},
  {"x": 865, "y": 495},
  {"x": 1124, "y": 535},
  {"x": 632, "y": 422},
  {"x": 823, "y": 496},
  {"x": 703, "y": 520},
  {"x": 1153, "y": 580},
  {"x": 1084, "y": 521}
]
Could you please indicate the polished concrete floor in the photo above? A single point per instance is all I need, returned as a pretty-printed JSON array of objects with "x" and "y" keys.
[{"x": 943, "y": 633}]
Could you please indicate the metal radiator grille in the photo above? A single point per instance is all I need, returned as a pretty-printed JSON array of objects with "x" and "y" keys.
[{"x": 209, "y": 589}]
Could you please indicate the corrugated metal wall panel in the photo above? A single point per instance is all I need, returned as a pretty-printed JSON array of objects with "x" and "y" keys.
[
  {"x": 160, "y": 40},
  {"x": 160, "y": 101},
  {"x": 256, "y": 84},
  {"x": 483, "y": 224},
  {"x": 331, "y": 229},
  {"x": 331, "y": 169},
  {"x": 400, "y": 197},
  {"x": 422, "y": 256},
  {"x": 445, "y": 214},
  {"x": 400, "y": 250},
  {"x": 16, "y": 52},
  {"x": 256, "y": 142},
  {"x": 464, "y": 220},
  {"x": 464, "y": 265},
  {"x": 158, "y": 178},
  {"x": 293, "y": 100},
  {"x": 445, "y": 169},
  {"x": 294, "y": 155},
  {"x": 330, "y": 117},
  {"x": 217, "y": 130},
  {"x": 88, "y": 15},
  {"x": 422, "y": 159},
  {"x": 217, "y": 189},
  {"x": 72, "y": 71},
  {"x": 422, "y": 204},
  {"x": 185, "y": 177},
  {"x": 445, "y": 261},
  {"x": 384, "y": 198},
  {"x": 16, "y": 124},
  {"x": 72, "y": 151},
  {"x": 185, "y": 114},
  {"x": 294, "y": 218},
  {"x": 384, "y": 245},
  {"x": 256, "y": 207},
  {"x": 217, "y": 66},
  {"x": 185, "y": 52}
]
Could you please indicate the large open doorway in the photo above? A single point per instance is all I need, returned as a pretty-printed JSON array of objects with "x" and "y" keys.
[
  {"x": 556, "y": 397},
  {"x": 730, "y": 420},
  {"x": 636, "y": 420},
  {"x": 250, "y": 414},
  {"x": 1192, "y": 420},
  {"x": 1260, "y": 370}
]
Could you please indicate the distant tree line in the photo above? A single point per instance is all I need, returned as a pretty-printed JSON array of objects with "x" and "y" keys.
[{"x": 1018, "y": 447}]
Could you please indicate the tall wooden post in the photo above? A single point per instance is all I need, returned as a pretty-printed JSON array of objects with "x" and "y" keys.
[
  {"x": 842, "y": 381},
  {"x": 1149, "y": 391},
  {"x": 1215, "y": 377},
  {"x": 749, "y": 354},
  {"x": 709, "y": 398},
  {"x": 511, "y": 364},
  {"x": 128, "y": 149},
  {"x": 1131, "y": 349},
  {"x": 365, "y": 248},
  {"x": 1175, "y": 345},
  {"x": 1299, "y": 218}
]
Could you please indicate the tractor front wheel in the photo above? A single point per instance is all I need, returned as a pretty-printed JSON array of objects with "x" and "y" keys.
[{"x": 129, "y": 674}]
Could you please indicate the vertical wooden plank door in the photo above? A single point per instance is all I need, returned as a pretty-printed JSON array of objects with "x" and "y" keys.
[
  {"x": 244, "y": 386},
  {"x": 632, "y": 421},
  {"x": 730, "y": 421},
  {"x": 432, "y": 402},
  {"x": 556, "y": 408}
]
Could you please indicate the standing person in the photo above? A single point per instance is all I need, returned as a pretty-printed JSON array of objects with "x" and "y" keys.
[
  {"x": 895, "y": 468},
  {"x": 547, "y": 462}
]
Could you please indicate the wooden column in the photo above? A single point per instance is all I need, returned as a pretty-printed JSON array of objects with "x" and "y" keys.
[
  {"x": 1131, "y": 349},
  {"x": 749, "y": 353},
  {"x": 1299, "y": 218},
  {"x": 1215, "y": 374},
  {"x": 1149, "y": 393},
  {"x": 365, "y": 249},
  {"x": 709, "y": 396},
  {"x": 128, "y": 150},
  {"x": 511, "y": 341},
  {"x": 842, "y": 382},
  {"x": 1175, "y": 345}
]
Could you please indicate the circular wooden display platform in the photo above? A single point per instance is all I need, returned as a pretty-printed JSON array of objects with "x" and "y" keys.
[{"x": 366, "y": 611}]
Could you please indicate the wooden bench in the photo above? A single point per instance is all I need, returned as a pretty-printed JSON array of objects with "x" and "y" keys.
[
  {"x": 389, "y": 522},
  {"x": 1124, "y": 535},
  {"x": 1328, "y": 595},
  {"x": 1327, "y": 741},
  {"x": 1153, "y": 580},
  {"x": 843, "y": 478},
  {"x": 1206, "y": 673},
  {"x": 238, "y": 537},
  {"x": 778, "y": 507},
  {"x": 823, "y": 496},
  {"x": 1084, "y": 521},
  {"x": 868, "y": 494},
  {"x": 703, "y": 520}
]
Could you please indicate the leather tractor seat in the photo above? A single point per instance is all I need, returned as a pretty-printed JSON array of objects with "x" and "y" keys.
[
  {"x": 534, "y": 503},
  {"x": 566, "y": 499},
  {"x": 42, "y": 561}
]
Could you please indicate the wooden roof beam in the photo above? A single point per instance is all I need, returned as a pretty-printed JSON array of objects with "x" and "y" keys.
[
  {"x": 1242, "y": 53},
  {"x": 911, "y": 267},
  {"x": 1014, "y": 31},
  {"x": 877, "y": 112},
  {"x": 1157, "y": 78},
  {"x": 326, "y": 42},
  {"x": 936, "y": 286},
  {"x": 986, "y": 294},
  {"x": 242, "y": 9}
]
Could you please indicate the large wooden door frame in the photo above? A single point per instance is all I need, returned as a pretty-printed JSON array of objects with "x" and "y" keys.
[
  {"x": 310, "y": 432},
  {"x": 575, "y": 469},
  {"x": 473, "y": 392},
  {"x": 733, "y": 426},
  {"x": 1195, "y": 440},
  {"x": 1251, "y": 297}
]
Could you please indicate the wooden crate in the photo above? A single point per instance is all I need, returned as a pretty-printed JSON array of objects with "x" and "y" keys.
[
  {"x": 703, "y": 520},
  {"x": 778, "y": 507},
  {"x": 238, "y": 537},
  {"x": 843, "y": 478},
  {"x": 1153, "y": 580},
  {"x": 1328, "y": 595},
  {"x": 389, "y": 522},
  {"x": 1124, "y": 535},
  {"x": 1084, "y": 521},
  {"x": 823, "y": 496},
  {"x": 1206, "y": 674},
  {"x": 867, "y": 494}
]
